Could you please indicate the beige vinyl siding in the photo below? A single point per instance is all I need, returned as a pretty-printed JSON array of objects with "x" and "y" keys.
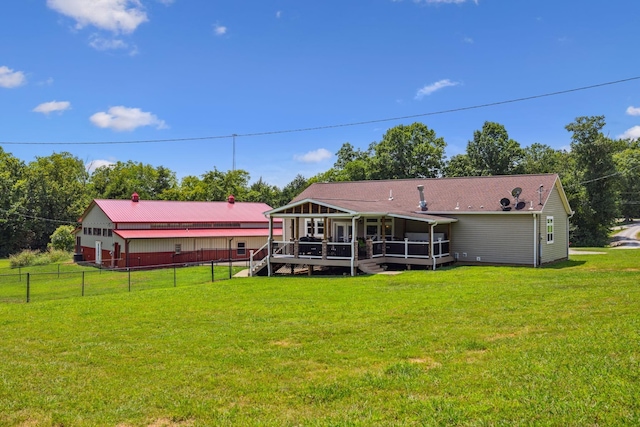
[
  {"x": 557, "y": 250},
  {"x": 191, "y": 244},
  {"x": 496, "y": 239}
]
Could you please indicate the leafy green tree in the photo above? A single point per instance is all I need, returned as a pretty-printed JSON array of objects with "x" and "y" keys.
[
  {"x": 12, "y": 223},
  {"x": 62, "y": 239},
  {"x": 628, "y": 166},
  {"x": 292, "y": 189},
  {"x": 262, "y": 192},
  {"x": 459, "y": 165},
  {"x": 122, "y": 179},
  {"x": 541, "y": 158},
  {"x": 220, "y": 185},
  {"x": 54, "y": 190},
  {"x": 492, "y": 152},
  {"x": 412, "y": 151},
  {"x": 596, "y": 205}
]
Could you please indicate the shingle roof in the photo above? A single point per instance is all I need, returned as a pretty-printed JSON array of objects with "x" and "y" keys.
[
  {"x": 153, "y": 211},
  {"x": 443, "y": 195}
]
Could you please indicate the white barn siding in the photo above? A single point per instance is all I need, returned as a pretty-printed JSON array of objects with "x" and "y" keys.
[
  {"x": 96, "y": 218},
  {"x": 493, "y": 239}
]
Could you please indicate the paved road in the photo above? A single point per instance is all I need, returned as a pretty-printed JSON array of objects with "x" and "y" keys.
[{"x": 626, "y": 237}]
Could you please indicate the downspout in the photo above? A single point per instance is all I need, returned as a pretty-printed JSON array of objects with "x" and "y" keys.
[
  {"x": 269, "y": 244},
  {"x": 354, "y": 246},
  {"x": 535, "y": 240}
]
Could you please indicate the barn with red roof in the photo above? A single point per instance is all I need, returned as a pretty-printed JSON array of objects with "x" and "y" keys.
[{"x": 135, "y": 232}]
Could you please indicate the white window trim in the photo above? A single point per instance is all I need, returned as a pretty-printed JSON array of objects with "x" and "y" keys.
[
  {"x": 551, "y": 233},
  {"x": 316, "y": 227}
]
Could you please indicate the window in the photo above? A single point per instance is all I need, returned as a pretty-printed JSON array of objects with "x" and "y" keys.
[
  {"x": 549, "y": 229},
  {"x": 110, "y": 233},
  {"x": 242, "y": 248},
  {"x": 104, "y": 231},
  {"x": 97, "y": 231},
  {"x": 178, "y": 248},
  {"x": 373, "y": 228},
  {"x": 314, "y": 227}
]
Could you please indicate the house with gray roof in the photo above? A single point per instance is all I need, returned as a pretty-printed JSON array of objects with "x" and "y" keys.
[{"x": 426, "y": 223}]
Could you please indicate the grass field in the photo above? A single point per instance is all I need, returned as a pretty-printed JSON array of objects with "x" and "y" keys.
[{"x": 459, "y": 346}]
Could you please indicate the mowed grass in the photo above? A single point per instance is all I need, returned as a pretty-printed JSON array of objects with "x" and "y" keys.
[
  {"x": 459, "y": 346},
  {"x": 68, "y": 280}
]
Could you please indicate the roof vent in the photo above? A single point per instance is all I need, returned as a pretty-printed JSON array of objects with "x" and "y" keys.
[
  {"x": 390, "y": 194},
  {"x": 231, "y": 199},
  {"x": 423, "y": 203},
  {"x": 135, "y": 197}
]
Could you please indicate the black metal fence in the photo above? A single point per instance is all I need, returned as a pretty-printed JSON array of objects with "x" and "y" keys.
[{"x": 58, "y": 281}]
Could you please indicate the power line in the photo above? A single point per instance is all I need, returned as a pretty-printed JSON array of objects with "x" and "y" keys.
[
  {"x": 335, "y": 126},
  {"x": 38, "y": 218}
]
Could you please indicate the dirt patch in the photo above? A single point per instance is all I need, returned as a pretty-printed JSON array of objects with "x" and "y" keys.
[{"x": 428, "y": 362}]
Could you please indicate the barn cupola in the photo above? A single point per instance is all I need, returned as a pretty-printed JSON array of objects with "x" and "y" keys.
[
  {"x": 135, "y": 197},
  {"x": 231, "y": 199}
]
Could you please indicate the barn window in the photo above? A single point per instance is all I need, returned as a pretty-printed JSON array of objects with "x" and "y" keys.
[
  {"x": 178, "y": 248},
  {"x": 242, "y": 248},
  {"x": 110, "y": 233},
  {"x": 97, "y": 231},
  {"x": 549, "y": 229}
]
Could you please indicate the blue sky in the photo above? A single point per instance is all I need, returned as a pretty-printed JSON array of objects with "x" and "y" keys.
[{"x": 74, "y": 71}]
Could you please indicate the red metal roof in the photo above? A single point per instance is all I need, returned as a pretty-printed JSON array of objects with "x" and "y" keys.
[
  {"x": 162, "y": 211},
  {"x": 174, "y": 234}
]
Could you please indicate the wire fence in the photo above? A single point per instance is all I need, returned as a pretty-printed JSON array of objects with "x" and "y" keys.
[{"x": 57, "y": 281}]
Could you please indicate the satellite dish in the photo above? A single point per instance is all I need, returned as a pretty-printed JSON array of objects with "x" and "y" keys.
[
  {"x": 516, "y": 192},
  {"x": 505, "y": 202},
  {"x": 520, "y": 205}
]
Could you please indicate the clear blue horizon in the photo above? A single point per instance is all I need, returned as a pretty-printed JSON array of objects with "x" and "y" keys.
[{"x": 123, "y": 70}]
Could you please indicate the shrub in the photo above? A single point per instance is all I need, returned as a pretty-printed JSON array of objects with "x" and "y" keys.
[
  {"x": 23, "y": 259},
  {"x": 62, "y": 239},
  {"x": 30, "y": 257}
]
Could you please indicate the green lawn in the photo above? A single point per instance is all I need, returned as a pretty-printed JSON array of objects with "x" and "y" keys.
[{"x": 459, "y": 346}]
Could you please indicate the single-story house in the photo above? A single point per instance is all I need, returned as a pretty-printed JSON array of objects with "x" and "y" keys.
[
  {"x": 133, "y": 233},
  {"x": 496, "y": 220}
]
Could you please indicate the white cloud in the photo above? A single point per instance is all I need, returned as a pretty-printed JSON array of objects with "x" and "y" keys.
[
  {"x": 95, "y": 164},
  {"x": 279, "y": 14},
  {"x": 118, "y": 16},
  {"x": 633, "y": 133},
  {"x": 633, "y": 111},
  {"x": 315, "y": 156},
  {"x": 126, "y": 119},
  {"x": 10, "y": 79},
  {"x": 47, "y": 82},
  {"x": 50, "y": 107},
  {"x": 100, "y": 43},
  {"x": 429, "y": 89},
  {"x": 219, "y": 30},
  {"x": 468, "y": 40}
]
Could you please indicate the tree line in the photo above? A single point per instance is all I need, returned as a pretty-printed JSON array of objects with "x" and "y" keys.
[{"x": 601, "y": 177}]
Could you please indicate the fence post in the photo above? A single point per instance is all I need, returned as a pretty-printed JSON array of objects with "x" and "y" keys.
[
  {"x": 129, "y": 273},
  {"x": 212, "y": 274},
  {"x": 83, "y": 283},
  {"x": 28, "y": 287},
  {"x": 174, "y": 275}
]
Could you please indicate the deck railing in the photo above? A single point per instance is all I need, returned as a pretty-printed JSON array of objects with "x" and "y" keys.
[{"x": 339, "y": 250}]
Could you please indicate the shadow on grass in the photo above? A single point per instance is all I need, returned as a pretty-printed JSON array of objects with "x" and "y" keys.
[{"x": 564, "y": 264}]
